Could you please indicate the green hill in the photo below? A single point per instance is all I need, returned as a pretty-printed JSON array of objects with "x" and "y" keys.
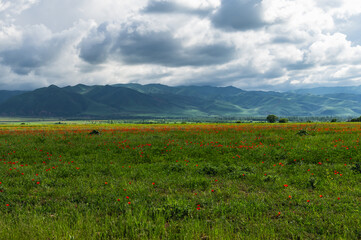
[
  {"x": 156, "y": 100},
  {"x": 5, "y": 95},
  {"x": 329, "y": 90}
]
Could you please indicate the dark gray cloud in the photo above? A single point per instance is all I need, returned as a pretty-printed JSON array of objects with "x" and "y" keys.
[
  {"x": 134, "y": 46},
  {"x": 95, "y": 47},
  {"x": 30, "y": 56},
  {"x": 238, "y": 15},
  {"x": 166, "y": 7}
]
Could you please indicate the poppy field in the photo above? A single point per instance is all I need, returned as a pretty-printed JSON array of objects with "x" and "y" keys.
[{"x": 180, "y": 181}]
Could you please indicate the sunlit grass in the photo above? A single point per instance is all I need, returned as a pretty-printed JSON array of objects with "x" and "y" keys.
[{"x": 188, "y": 181}]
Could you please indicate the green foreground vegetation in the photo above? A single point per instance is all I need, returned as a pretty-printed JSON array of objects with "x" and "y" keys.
[{"x": 180, "y": 181}]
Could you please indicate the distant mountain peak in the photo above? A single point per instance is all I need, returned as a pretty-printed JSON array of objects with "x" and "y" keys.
[{"x": 157, "y": 100}]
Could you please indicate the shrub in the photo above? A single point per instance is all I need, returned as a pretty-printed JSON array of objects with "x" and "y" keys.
[
  {"x": 302, "y": 132},
  {"x": 283, "y": 120},
  {"x": 356, "y": 168}
]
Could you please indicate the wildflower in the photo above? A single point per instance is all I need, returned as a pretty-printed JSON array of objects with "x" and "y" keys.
[
  {"x": 128, "y": 202},
  {"x": 285, "y": 185},
  {"x": 321, "y": 196},
  {"x": 308, "y": 200}
]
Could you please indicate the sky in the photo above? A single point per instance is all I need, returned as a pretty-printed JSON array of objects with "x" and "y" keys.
[{"x": 276, "y": 45}]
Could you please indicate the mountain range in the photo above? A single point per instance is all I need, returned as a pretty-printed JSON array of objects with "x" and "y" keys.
[{"x": 156, "y": 100}]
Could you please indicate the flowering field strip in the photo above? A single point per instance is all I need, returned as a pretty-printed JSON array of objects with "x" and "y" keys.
[{"x": 189, "y": 181}]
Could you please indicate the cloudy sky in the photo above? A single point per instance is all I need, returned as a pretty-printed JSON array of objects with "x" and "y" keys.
[{"x": 250, "y": 44}]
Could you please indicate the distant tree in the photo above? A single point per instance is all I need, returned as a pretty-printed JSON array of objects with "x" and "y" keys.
[
  {"x": 356, "y": 119},
  {"x": 283, "y": 120},
  {"x": 333, "y": 120},
  {"x": 272, "y": 118}
]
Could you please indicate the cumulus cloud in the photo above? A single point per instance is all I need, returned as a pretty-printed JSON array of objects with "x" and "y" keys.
[
  {"x": 136, "y": 44},
  {"x": 95, "y": 47},
  {"x": 168, "y": 7},
  {"x": 36, "y": 47},
  {"x": 333, "y": 50},
  {"x": 252, "y": 44},
  {"x": 239, "y": 15}
]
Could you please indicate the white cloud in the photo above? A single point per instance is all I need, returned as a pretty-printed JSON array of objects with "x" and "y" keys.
[
  {"x": 285, "y": 44},
  {"x": 10, "y": 8},
  {"x": 333, "y": 50}
]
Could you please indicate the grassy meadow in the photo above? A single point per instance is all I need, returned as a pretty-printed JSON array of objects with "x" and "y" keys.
[{"x": 180, "y": 181}]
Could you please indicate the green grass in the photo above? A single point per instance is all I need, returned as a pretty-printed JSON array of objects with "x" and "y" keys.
[{"x": 244, "y": 181}]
